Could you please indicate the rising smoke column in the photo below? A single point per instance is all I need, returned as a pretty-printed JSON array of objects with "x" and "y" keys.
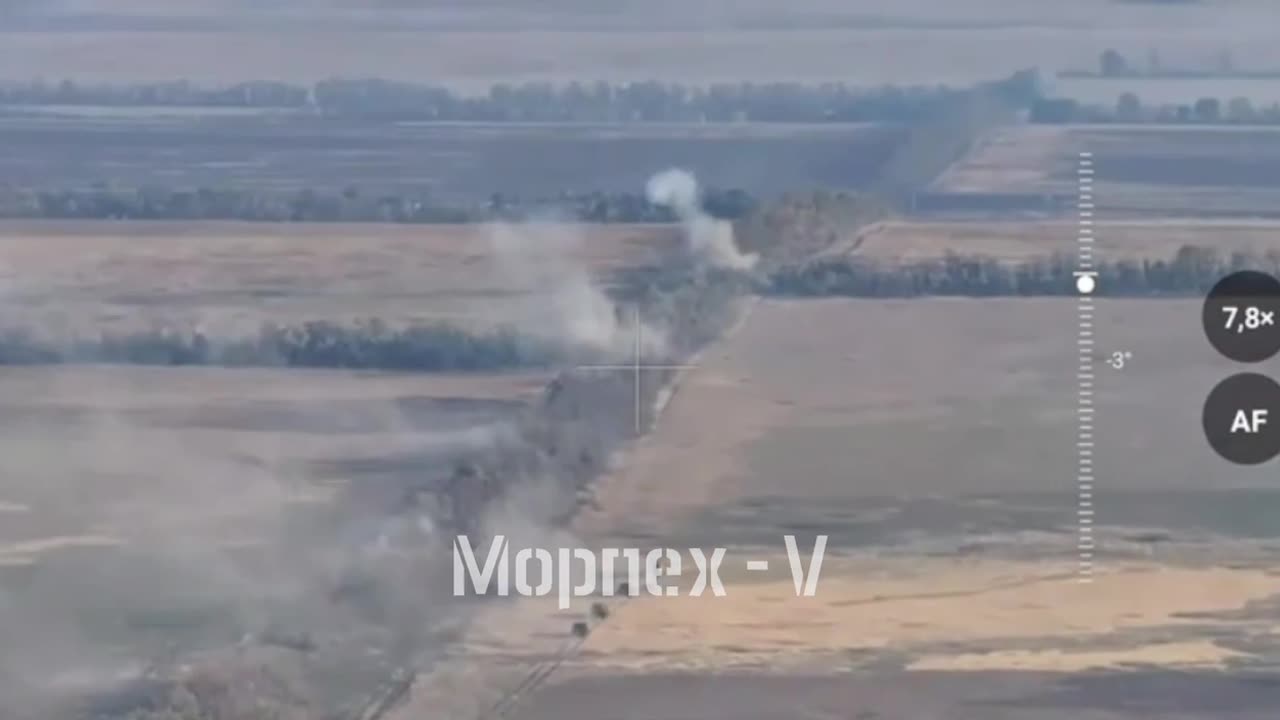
[
  {"x": 710, "y": 239},
  {"x": 561, "y": 299}
]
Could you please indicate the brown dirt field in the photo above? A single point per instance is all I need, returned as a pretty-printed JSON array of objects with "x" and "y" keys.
[
  {"x": 945, "y": 482},
  {"x": 856, "y": 392},
  {"x": 1018, "y": 159},
  {"x": 911, "y": 612}
]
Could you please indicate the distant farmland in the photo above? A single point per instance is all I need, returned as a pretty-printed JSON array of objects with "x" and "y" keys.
[
  {"x": 1147, "y": 170},
  {"x": 450, "y": 163},
  {"x": 87, "y": 277}
]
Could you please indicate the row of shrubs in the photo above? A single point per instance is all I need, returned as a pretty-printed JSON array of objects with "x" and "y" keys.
[
  {"x": 1192, "y": 271},
  {"x": 350, "y": 204},
  {"x": 370, "y": 345},
  {"x": 374, "y": 345}
]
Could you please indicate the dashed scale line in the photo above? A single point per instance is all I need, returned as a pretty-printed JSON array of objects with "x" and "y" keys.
[{"x": 1086, "y": 283}]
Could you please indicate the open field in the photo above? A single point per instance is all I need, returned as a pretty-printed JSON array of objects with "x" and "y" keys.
[
  {"x": 1021, "y": 241},
  {"x": 453, "y": 163},
  {"x": 933, "y": 441},
  {"x": 232, "y": 277},
  {"x": 172, "y": 513},
  {"x": 844, "y": 401},
  {"x": 199, "y": 447},
  {"x": 209, "y": 536},
  {"x": 1145, "y": 170},
  {"x": 156, "y": 515}
]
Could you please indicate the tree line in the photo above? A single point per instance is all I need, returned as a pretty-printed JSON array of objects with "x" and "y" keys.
[
  {"x": 929, "y": 146},
  {"x": 363, "y": 345},
  {"x": 1114, "y": 64},
  {"x": 1129, "y": 108},
  {"x": 1191, "y": 271},
  {"x": 648, "y": 101},
  {"x": 696, "y": 305},
  {"x": 349, "y": 205}
]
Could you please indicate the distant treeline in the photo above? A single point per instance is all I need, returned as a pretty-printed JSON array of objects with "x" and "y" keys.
[
  {"x": 321, "y": 344},
  {"x": 350, "y": 205},
  {"x": 698, "y": 307},
  {"x": 1129, "y": 108},
  {"x": 1113, "y": 64},
  {"x": 693, "y": 307},
  {"x": 528, "y": 102},
  {"x": 939, "y": 137},
  {"x": 1192, "y": 271}
]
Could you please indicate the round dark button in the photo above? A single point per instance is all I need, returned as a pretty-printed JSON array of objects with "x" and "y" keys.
[
  {"x": 1241, "y": 316},
  {"x": 1242, "y": 418}
]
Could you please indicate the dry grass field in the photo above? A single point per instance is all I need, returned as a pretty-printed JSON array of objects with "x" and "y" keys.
[
  {"x": 161, "y": 513},
  {"x": 152, "y": 517},
  {"x": 146, "y": 511},
  {"x": 150, "y": 513},
  {"x": 1015, "y": 159},
  {"x": 1147, "y": 171},
  {"x": 157, "y": 449},
  {"x": 933, "y": 441},
  {"x": 231, "y": 277}
]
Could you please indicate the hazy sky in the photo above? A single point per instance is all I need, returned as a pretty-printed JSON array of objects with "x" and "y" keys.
[{"x": 810, "y": 13}]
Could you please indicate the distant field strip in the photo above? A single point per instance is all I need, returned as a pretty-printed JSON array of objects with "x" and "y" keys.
[
  {"x": 1137, "y": 258},
  {"x": 1152, "y": 171}
]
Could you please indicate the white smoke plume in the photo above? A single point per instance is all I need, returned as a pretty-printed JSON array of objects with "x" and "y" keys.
[
  {"x": 563, "y": 301},
  {"x": 709, "y": 239}
]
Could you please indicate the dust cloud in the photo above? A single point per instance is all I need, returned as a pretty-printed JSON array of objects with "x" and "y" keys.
[
  {"x": 710, "y": 239},
  {"x": 159, "y": 551},
  {"x": 564, "y": 301},
  {"x": 284, "y": 537}
]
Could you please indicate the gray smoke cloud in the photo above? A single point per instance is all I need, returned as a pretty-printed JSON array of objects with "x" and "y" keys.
[
  {"x": 561, "y": 297},
  {"x": 709, "y": 239},
  {"x": 159, "y": 543},
  {"x": 194, "y": 530}
]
